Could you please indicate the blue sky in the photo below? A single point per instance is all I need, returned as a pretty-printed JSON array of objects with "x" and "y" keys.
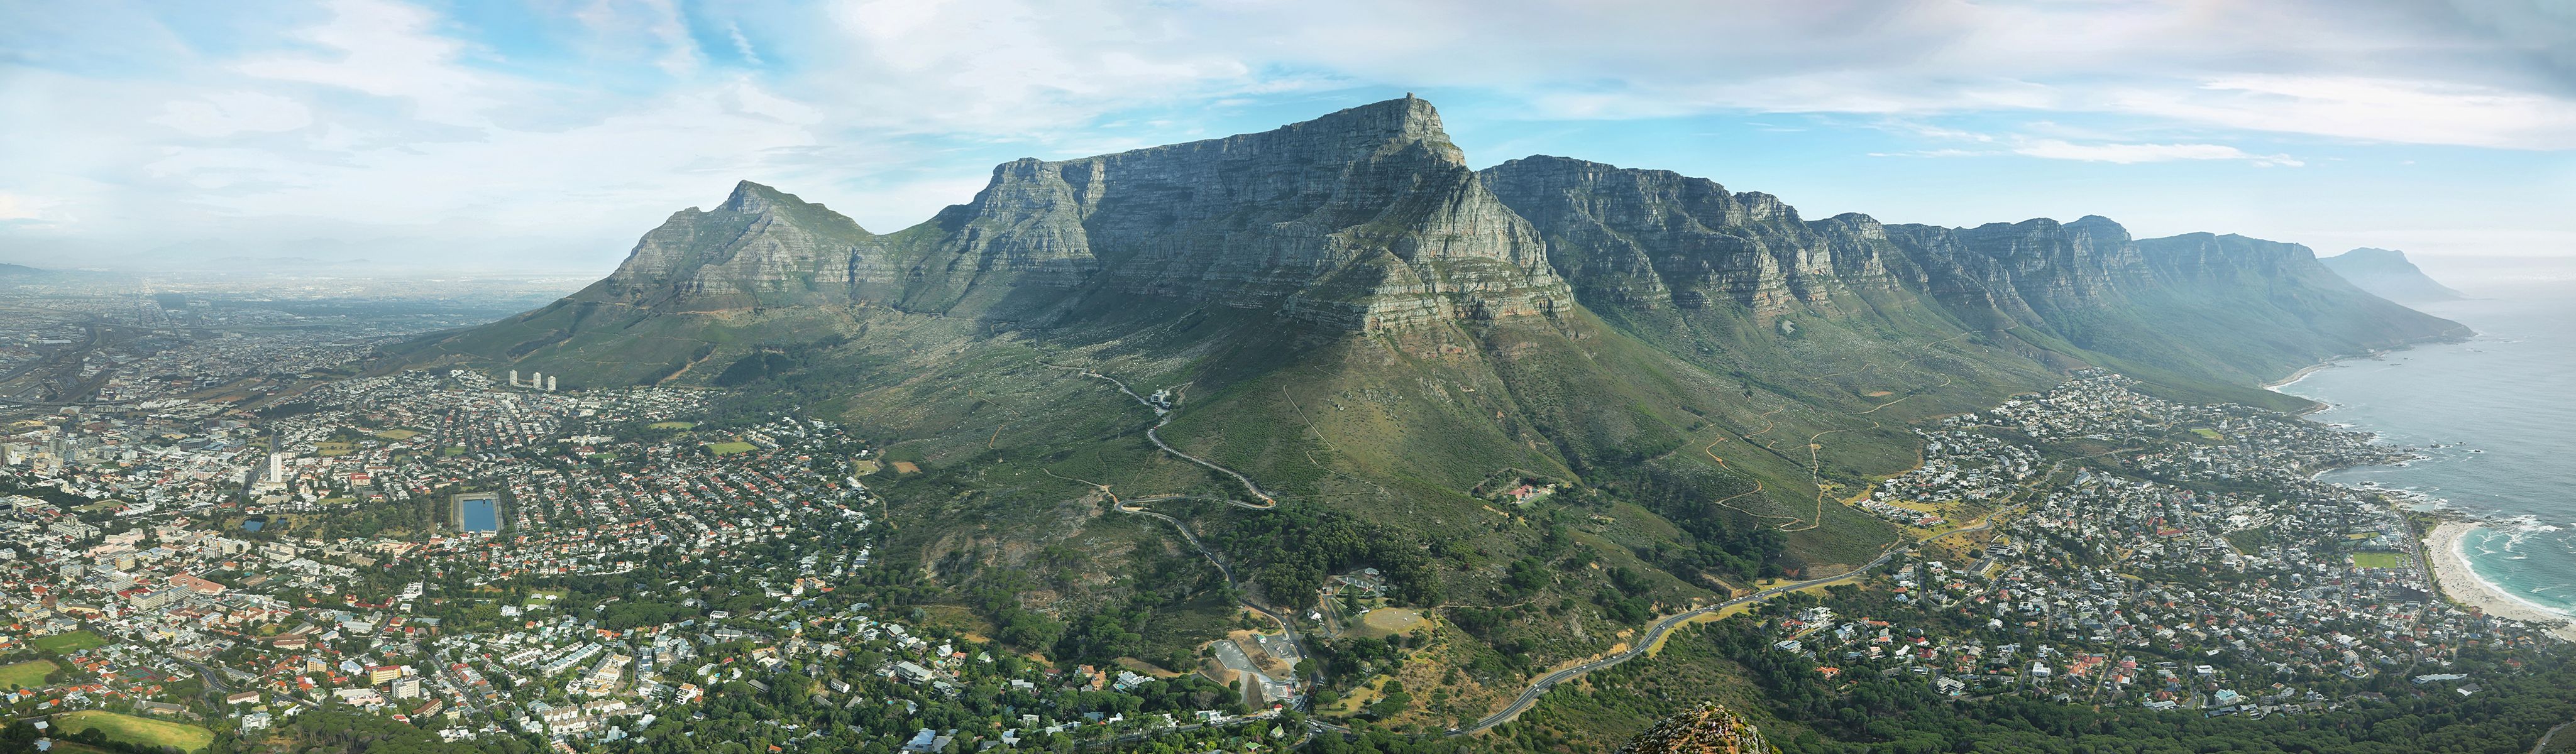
[{"x": 545, "y": 135}]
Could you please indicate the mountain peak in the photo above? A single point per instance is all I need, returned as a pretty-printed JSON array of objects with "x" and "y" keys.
[
  {"x": 752, "y": 197},
  {"x": 2376, "y": 255},
  {"x": 1410, "y": 120},
  {"x": 2387, "y": 272}
]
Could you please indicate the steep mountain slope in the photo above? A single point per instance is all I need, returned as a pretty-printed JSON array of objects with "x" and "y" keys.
[
  {"x": 2194, "y": 311},
  {"x": 1381, "y": 337},
  {"x": 2386, "y": 272}
]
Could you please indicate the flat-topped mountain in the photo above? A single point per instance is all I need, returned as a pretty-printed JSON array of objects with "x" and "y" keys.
[
  {"x": 2387, "y": 272},
  {"x": 1360, "y": 219},
  {"x": 1342, "y": 310}
]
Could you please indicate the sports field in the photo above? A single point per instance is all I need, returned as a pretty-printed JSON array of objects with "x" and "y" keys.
[
  {"x": 136, "y": 730},
  {"x": 71, "y": 642},
  {"x": 27, "y": 675}
]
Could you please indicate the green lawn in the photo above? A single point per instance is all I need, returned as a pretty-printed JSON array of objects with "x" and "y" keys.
[
  {"x": 730, "y": 448},
  {"x": 136, "y": 730},
  {"x": 2378, "y": 560},
  {"x": 71, "y": 642},
  {"x": 455, "y": 450},
  {"x": 2207, "y": 433},
  {"x": 672, "y": 425},
  {"x": 397, "y": 434},
  {"x": 27, "y": 675}
]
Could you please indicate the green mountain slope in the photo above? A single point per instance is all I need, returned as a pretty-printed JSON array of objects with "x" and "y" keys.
[{"x": 1382, "y": 338}]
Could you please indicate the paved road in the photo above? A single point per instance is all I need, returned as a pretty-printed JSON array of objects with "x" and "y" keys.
[
  {"x": 1285, "y": 624},
  {"x": 1166, "y": 418},
  {"x": 2544, "y": 738},
  {"x": 1654, "y": 633}
]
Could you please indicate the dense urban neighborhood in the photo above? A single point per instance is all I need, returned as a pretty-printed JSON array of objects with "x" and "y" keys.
[
  {"x": 223, "y": 535},
  {"x": 2191, "y": 564}
]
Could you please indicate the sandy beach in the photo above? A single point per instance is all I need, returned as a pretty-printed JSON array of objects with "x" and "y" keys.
[
  {"x": 2463, "y": 586},
  {"x": 2295, "y": 376}
]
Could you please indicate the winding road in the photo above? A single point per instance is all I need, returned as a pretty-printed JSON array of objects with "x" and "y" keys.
[
  {"x": 1654, "y": 633},
  {"x": 1166, "y": 414}
]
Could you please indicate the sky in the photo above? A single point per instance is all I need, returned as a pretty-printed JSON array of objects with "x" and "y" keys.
[{"x": 546, "y": 135}]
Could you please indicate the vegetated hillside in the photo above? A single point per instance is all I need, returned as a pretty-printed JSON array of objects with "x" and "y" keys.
[
  {"x": 1386, "y": 341},
  {"x": 2387, "y": 272}
]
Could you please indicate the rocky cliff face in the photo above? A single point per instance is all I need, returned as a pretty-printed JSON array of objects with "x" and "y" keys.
[
  {"x": 1366, "y": 218},
  {"x": 761, "y": 246},
  {"x": 2030, "y": 270},
  {"x": 1654, "y": 237},
  {"x": 1360, "y": 219},
  {"x": 1369, "y": 218}
]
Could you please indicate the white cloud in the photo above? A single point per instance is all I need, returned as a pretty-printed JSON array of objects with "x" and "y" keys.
[
  {"x": 2375, "y": 109},
  {"x": 376, "y": 114},
  {"x": 2400, "y": 72},
  {"x": 2127, "y": 154},
  {"x": 228, "y": 113},
  {"x": 390, "y": 50},
  {"x": 742, "y": 45},
  {"x": 15, "y": 208}
]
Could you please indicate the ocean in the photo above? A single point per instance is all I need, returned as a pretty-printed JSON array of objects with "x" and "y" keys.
[{"x": 2503, "y": 406}]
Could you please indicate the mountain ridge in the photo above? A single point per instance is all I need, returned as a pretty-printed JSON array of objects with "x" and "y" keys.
[
  {"x": 1344, "y": 311},
  {"x": 2387, "y": 272}
]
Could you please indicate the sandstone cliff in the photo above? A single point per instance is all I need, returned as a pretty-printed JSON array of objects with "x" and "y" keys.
[
  {"x": 1365, "y": 218},
  {"x": 761, "y": 246}
]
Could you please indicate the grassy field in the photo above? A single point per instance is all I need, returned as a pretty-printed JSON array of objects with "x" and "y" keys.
[
  {"x": 454, "y": 450},
  {"x": 2207, "y": 433},
  {"x": 27, "y": 675},
  {"x": 672, "y": 425},
  {"x": 730, "y": 448},
  {"x": 2378, "y": 560},
  {"x": 71, "y": 642},
  {"x": 397, "y": 434},
  {"x": 333, "y": 449},
  {"x": 1390, "y": 621},
  {"x": 137, "y": 730}
]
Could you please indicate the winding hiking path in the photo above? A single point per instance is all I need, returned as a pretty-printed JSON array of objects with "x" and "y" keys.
[
  {"x": 1137, "y": 507},
  {"x": 1166, "y": 415}
]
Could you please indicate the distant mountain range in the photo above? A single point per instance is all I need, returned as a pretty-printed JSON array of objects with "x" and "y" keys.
[
  {"x": 2387, "y": 273},
  {"x": 1358, "y": 320}
]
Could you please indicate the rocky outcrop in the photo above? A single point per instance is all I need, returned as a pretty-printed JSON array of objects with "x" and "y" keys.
[
  {"x": 1365, "y": 218},
  {"x": 1708, "y": 729},
  {"x": 761, "y": 246},
  {"x": 1360, "y": 219},
  {"x": 2387, "y": 273},
  {"x": 1655, "y": 237},
  {"x": 1369, "y": 218},
  {"x": 2030, "y": 270}
]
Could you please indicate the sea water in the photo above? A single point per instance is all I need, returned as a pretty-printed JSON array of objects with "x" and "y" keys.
[{"x": 2503, "y": 407}]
